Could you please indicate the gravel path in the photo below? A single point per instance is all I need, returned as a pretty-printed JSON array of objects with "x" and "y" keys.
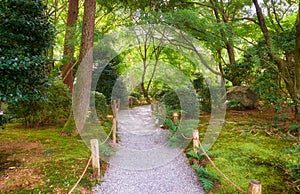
[{"x": 144, "y": 163}]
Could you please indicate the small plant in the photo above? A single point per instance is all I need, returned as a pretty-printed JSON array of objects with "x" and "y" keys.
[
  {"x": 200, "y": 156},
  {"x": 295, "y": 128},
  {"x": 233, "y": 104},
  {"x": 170, "y": 125},
  {"x": 206, "y": 178}
]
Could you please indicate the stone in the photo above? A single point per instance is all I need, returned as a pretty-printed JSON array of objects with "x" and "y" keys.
[{"x": 242, "y": 98}]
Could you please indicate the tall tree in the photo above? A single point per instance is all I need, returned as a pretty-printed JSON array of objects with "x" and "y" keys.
[
  {"x": 83, "y": 84},
  {"x": 148, "y": 49},
  {"x": 288, "y": 70},
  {"x": 69, "y": 47}
]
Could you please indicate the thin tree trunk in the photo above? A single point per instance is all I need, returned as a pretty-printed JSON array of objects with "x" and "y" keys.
[
  {"x": 69, "y": 47},
  {"x": 82, "y": 88},
  {"x": 228, "y": 44},
  {"x": 221, "y": 68},
  {"x": 297, "y": 65}
]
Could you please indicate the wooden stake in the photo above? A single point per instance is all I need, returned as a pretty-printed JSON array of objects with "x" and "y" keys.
[
  {"x": 114, "y": 107},
  {"x": 114, "y": 131},
  {"x": 175, "y": 118},
  {"x": 254, "y": 187},
  {"x": 196, "y": 142},
  {"x": 95, "y": 158}
]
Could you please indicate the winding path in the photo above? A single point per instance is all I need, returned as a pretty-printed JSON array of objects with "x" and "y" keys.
[{"x": 144, "y": 163}]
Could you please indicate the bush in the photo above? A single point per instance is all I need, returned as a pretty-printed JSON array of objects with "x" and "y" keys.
[
  {"x": 135, "y": 94},
  {"x": 99, "y": 103},
  {"x": 54, "y": 105},
  {"x": 188, "y": 103},
  {"x": 203, "y": 93}
]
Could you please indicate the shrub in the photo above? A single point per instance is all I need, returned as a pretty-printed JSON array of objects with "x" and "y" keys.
[
  {"x": 188, "y": 102},
  {"x": 99, "y": 103},
  {"x": 135, "y": 94},
  {"x": 203, "y": 93},
  {"x": 54, "y": 105}
]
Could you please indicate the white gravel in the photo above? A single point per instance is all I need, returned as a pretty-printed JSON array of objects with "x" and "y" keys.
[{"x": 144, "y": 163}]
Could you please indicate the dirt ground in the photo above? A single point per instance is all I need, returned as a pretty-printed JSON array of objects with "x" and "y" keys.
[{"x": 13, "y": 174}]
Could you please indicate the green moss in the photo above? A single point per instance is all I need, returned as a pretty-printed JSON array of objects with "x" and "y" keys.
[{"x": 244, "y": 156}]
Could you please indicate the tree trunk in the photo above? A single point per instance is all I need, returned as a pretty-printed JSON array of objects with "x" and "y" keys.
[
  {"x": 221, "y": 68},
  {"x": 297, "y": 65},
  {"x": 69, "y": 47},
  {"x": 145, "y": 92},
  {"x": 82, "y": 88}
]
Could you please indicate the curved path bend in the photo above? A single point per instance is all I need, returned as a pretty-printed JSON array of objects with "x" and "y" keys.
[{"x": 144, "y": 163}]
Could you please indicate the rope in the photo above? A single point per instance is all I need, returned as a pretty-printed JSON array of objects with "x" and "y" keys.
[
  {"x": 225, "y": 177},
  {"x": 88, "y": 163},
  {"x": 81, "y": 176},
  {"x": 185, "y": 137},
  {"x": 214, "y": 165},
  {"x": 106, "y": 138}
]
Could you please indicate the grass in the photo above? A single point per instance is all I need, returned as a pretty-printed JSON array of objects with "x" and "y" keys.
[{"x": 50, "y": 163}]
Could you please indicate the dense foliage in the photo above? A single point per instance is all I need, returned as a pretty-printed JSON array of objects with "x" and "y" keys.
[
  {"x": 54, "y": 104},
  {"x": 98, "y": 104},
  {"x": 25, "y": 35}
]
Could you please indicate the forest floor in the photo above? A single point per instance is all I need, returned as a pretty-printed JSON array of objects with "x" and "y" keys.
[{"x": 252, "y": 145}]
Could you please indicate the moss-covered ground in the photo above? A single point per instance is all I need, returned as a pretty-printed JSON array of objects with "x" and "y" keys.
[
  {"x": 250, "y": 147},
  {"x": 41, "y": 160}
]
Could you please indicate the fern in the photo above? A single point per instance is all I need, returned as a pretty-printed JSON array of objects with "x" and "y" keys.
[
  {"x": 207, "y": 179},
  {"x": 193, "y": 154},
  {"x": 207, "y": 184},
  {"x": 200, "y": 155}
]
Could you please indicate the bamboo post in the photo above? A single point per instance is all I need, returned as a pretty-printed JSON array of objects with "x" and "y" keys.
[
  {"x": 175, "y": 118},
  {"x": 114, "y": 123},
  {"x": 254, "y": 187},
  {"x": 95, "y": 158},
  {"x": 114, "y": 107},
  {"x": 196, "y": 142},
  {"x": 114, "y": 131}
]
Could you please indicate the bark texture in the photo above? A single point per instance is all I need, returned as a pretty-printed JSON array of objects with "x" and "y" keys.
[{"x": 69, "y": 47}]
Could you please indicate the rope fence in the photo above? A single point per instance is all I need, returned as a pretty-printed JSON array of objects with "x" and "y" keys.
[
  {"x": 254, "y": 187},
  {"x": 157, "y": 110},
  {"x": 95, "y": 158}
]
